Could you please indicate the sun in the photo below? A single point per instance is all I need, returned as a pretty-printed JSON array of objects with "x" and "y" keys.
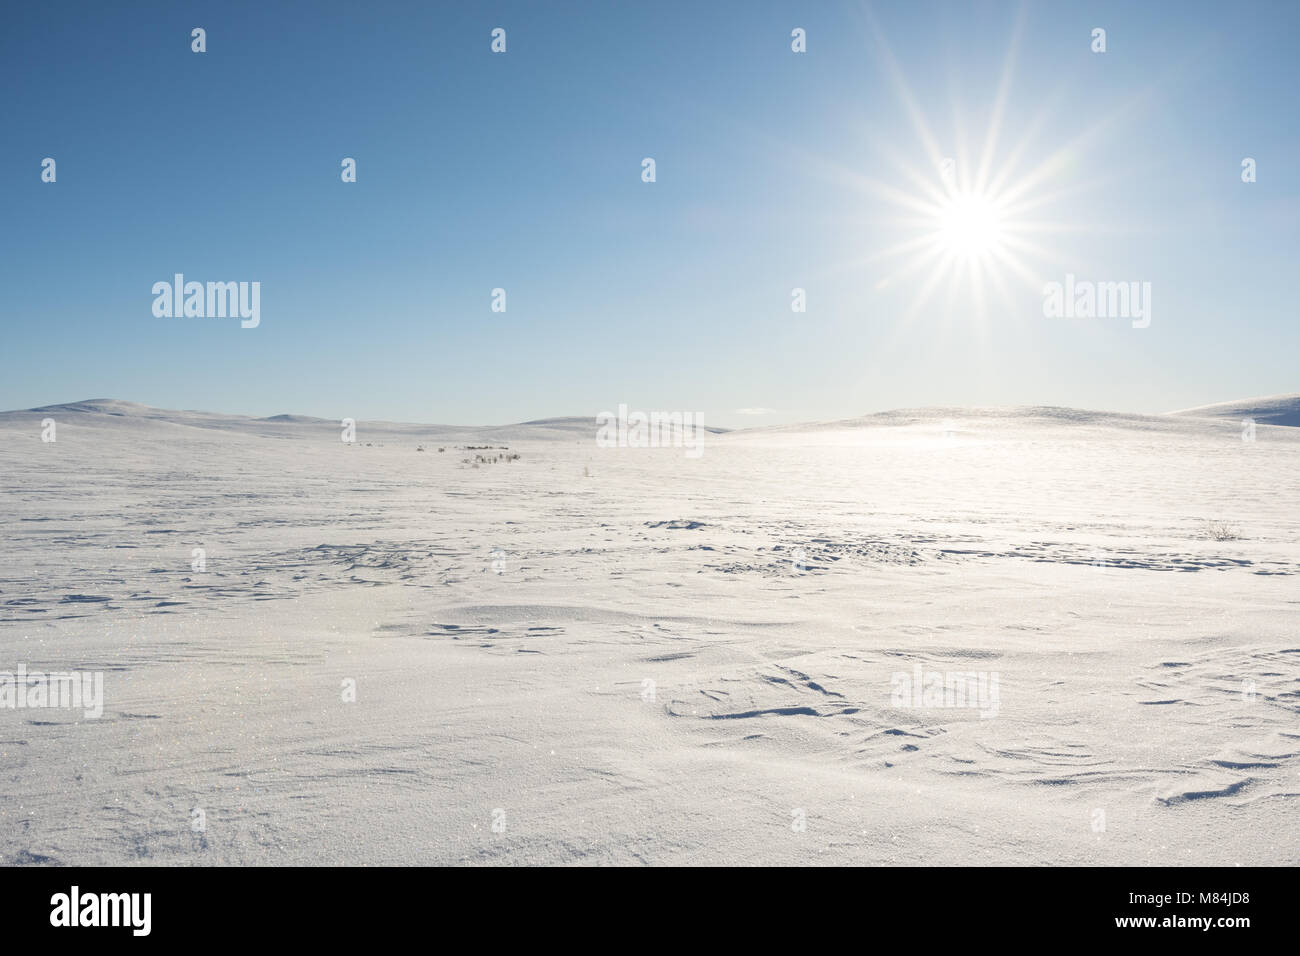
[
  {"x": 960, "y": 230},
  {"x": 970, "y": 226},
  {"x": 966, "y": 231}
]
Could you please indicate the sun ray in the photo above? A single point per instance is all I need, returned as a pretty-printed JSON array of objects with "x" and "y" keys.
[
  {"x": 1000, "y": 103},
  {"x": 970, "y": 222}
]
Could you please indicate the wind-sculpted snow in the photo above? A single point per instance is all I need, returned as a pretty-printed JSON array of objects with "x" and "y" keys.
[{"x": 930, "y": 636}]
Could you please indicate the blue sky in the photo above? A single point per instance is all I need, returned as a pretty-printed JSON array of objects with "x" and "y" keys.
[{"x": 523, "y": 171}]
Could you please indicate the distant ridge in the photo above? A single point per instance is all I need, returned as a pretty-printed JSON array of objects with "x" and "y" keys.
[
  {"x": 1268, "y": 410},
  {"x": 570, "y": 425},
  {"x": 97, "y": 411},
  {"x": 1006, "y": 415}
]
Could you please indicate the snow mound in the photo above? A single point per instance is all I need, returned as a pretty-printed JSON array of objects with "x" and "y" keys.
[{"x": 1269, "y": 410}]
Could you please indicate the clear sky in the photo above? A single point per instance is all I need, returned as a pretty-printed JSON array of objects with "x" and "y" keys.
[{"x": 522, "y": 170}]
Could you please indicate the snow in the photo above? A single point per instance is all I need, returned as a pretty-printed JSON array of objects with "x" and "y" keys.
[
  {"x": 623, "y": 655},
  {"x": 1272, "y": 410}
]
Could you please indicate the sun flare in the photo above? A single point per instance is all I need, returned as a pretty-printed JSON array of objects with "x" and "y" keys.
[{"x": 963, "y": 229}]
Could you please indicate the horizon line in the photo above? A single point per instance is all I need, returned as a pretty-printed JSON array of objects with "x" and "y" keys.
[{"x": 549, "y": 419}]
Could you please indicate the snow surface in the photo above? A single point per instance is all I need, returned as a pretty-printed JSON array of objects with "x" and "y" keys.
[
  {"x": 1130, "y": 580},
  {"x": 1272, "y": 410}
]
